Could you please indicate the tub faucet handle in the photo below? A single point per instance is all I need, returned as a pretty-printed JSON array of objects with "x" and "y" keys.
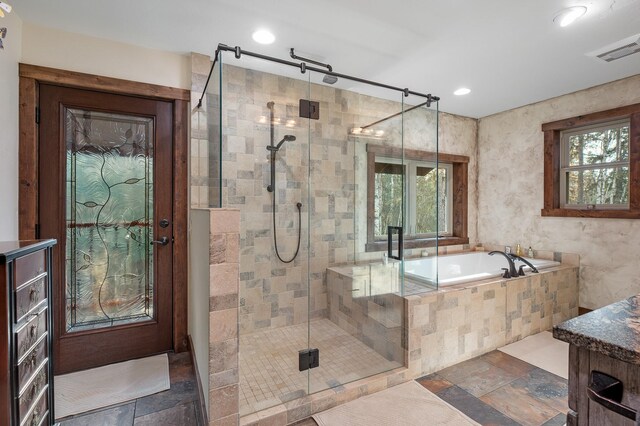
[
  {"x": 506, "y": 273},
  {"x": 521, "y": 270}
]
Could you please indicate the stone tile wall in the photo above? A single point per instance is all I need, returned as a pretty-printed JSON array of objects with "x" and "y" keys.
[
  {"x": 223, "y": 317},
  {"x": 327, "y": 176}
]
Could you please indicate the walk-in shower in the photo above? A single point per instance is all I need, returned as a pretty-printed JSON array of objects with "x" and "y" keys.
[{"x": 329, "y": 195}]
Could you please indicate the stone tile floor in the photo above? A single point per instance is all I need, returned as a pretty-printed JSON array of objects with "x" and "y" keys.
[
  {"x": 268, "y": 360},
  {"x": 179, "y": 405},
  {"x": 493, "y": 389},
  {"x": 498, "y": 389}
]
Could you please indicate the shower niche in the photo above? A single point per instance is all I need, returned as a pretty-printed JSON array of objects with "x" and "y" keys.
[{"x": 289, "y": 150}]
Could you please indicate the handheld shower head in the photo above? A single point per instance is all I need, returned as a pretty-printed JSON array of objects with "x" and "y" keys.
[{"x": 287, "y": 138}]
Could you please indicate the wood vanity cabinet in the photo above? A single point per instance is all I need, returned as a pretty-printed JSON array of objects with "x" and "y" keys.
[
  {"x": 26, "y": 369},
  {"x": 604, "y": 365}
]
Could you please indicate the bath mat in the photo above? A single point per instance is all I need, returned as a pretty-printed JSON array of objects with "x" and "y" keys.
[
  {"x": 408, "y": 404},
  {"x": 543, "y": 351},
  {"x": 87, "y": 390}
]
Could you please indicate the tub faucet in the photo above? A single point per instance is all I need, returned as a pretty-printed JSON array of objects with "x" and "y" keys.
[
  {"x": 512, "y": 266},
  {"x": 526, "y": 262}
]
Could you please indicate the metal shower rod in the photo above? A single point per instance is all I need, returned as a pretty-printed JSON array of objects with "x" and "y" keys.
[{"x": 238, "y": 52}]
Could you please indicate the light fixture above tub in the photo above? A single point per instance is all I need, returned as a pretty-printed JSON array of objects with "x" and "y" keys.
[
  {"x": 462, "y": 91},
  {"x": 263, "y": 36},
  {"x": 569, "y": 15},
  {"x": 4, "y": 8}
]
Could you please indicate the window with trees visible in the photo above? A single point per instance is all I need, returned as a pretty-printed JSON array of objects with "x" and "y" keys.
[
  {"x": 432, "y": 199},
  {"x": 592, "y": 165},
  {"x": 425, "y": 195},
  {"x": 595, "y": 166}
]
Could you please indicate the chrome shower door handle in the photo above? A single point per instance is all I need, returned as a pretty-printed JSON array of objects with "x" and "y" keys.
[
  {"x": 390, "y": 231},
  {"x": 161, "y": 242}
]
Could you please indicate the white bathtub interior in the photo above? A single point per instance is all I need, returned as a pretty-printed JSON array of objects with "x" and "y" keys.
[{"x": 461, "y": 268}]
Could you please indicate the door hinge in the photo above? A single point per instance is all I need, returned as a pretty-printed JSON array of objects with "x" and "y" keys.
[
  {"x": 308, "y": 358},
  {"x": 309, "y": 109},
  {"x": 37, "y": 231},
  {"x": 37, "y": 115}
]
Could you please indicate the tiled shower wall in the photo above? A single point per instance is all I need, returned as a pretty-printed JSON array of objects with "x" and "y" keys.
[{"x": 274, "y": 294}]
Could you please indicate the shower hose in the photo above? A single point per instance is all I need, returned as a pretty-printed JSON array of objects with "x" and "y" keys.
[{"x": 275, "y": 236}]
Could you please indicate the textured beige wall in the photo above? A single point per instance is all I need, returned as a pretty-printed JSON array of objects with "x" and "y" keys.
[
  {"x": 9, "y": 58},
  {"x": 77, "y": 52},
  {"x": 510, "y": 182}
]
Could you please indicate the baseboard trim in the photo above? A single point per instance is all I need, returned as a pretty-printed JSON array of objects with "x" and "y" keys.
[{"x": 204, "y": 418}]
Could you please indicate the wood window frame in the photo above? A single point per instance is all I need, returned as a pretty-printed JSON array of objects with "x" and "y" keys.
[
  {"x": 30, "y": 78},
  {"x": 460, "y": 196},
  {"x": 552, "y": 155}
]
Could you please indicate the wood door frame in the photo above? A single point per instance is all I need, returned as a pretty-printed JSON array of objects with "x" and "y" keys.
[{"x": 30, "y": 78}]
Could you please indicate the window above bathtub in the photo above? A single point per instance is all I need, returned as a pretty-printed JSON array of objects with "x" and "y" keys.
[
  {"x": 432, "y": 199},
  {"x": 591, "y": 163}
]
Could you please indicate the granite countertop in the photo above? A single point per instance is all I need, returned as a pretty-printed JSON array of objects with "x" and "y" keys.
[{"x": 613, "y": 330}]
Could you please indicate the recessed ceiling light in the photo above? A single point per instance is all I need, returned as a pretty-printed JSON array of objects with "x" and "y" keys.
[
  {"x": 462, "y": 91},
  {"x": 4, "y": 7},
  {"x": 263, "y": 37},
  {"x": 569, "y": 15}
]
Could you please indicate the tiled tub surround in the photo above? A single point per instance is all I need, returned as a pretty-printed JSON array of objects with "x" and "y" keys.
[{"x": 456, "y": 322}]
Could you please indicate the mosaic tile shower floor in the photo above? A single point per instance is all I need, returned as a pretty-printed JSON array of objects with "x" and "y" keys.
[{"x": 269, "y": 363}]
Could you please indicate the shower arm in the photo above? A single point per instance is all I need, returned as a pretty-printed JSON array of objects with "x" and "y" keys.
[
  {"x": 238, "y": 52},
  {"x": 300, "y": 58}
]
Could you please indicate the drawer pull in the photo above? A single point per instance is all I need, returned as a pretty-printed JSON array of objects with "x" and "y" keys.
[
  {"x": 35, "y": 417},
  {"x": 34, "y": 293},
  {"x": 607, "y": 391},
  {"x": 33, "y": 358}
]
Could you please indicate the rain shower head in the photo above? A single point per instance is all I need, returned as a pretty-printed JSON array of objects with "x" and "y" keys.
[{"x": 329, "y": 79}]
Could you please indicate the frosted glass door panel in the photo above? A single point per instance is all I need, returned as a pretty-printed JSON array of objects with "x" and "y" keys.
[{"x": 109, "y": 219}]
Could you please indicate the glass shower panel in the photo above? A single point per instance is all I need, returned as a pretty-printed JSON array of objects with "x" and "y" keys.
[
  {"x": 357, "y": 188},
  {"x": 428, "y": 193},
  {"x": 264, "y": 173}
]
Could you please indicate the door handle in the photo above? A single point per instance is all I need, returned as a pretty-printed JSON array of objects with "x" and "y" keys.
[
  {"x": 390, "y": 231},
  {"x": 607, "y": 391},
  {"x": 161, "y": 242}
]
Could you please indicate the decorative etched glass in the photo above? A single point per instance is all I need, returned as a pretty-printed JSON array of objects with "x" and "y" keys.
[{"x": 109, "y": 219}]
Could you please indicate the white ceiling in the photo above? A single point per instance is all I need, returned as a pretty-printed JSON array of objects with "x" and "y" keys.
[{"x": 508, "y": 52}]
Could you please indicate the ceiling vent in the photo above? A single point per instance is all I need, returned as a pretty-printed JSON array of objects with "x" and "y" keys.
[{"x": 617, "y": 50}]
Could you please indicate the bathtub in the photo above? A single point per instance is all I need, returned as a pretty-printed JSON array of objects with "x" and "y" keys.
[{"x": 462, "y": 268}]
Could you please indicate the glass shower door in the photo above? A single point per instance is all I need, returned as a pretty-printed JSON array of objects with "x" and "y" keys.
[
  {"x": 264, "y": 166},
  {"x": 356, "y": 226}
]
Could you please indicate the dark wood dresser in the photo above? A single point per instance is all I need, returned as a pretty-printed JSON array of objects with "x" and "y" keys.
[{"x": 26, "y": 369}]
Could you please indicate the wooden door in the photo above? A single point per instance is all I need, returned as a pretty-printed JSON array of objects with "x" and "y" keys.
[{"x": 105, "y": 193}]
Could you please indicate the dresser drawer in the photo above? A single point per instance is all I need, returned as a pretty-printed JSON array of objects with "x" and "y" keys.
[
  {"x": 29, "y": 296},
  {"x": 28, "y": 267},
  {"x": 39, "y": 383},
  {"x": 39, "y": 412},
  {"x": 29, "y": 333},
  {"x": 31, "y": 363}
]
